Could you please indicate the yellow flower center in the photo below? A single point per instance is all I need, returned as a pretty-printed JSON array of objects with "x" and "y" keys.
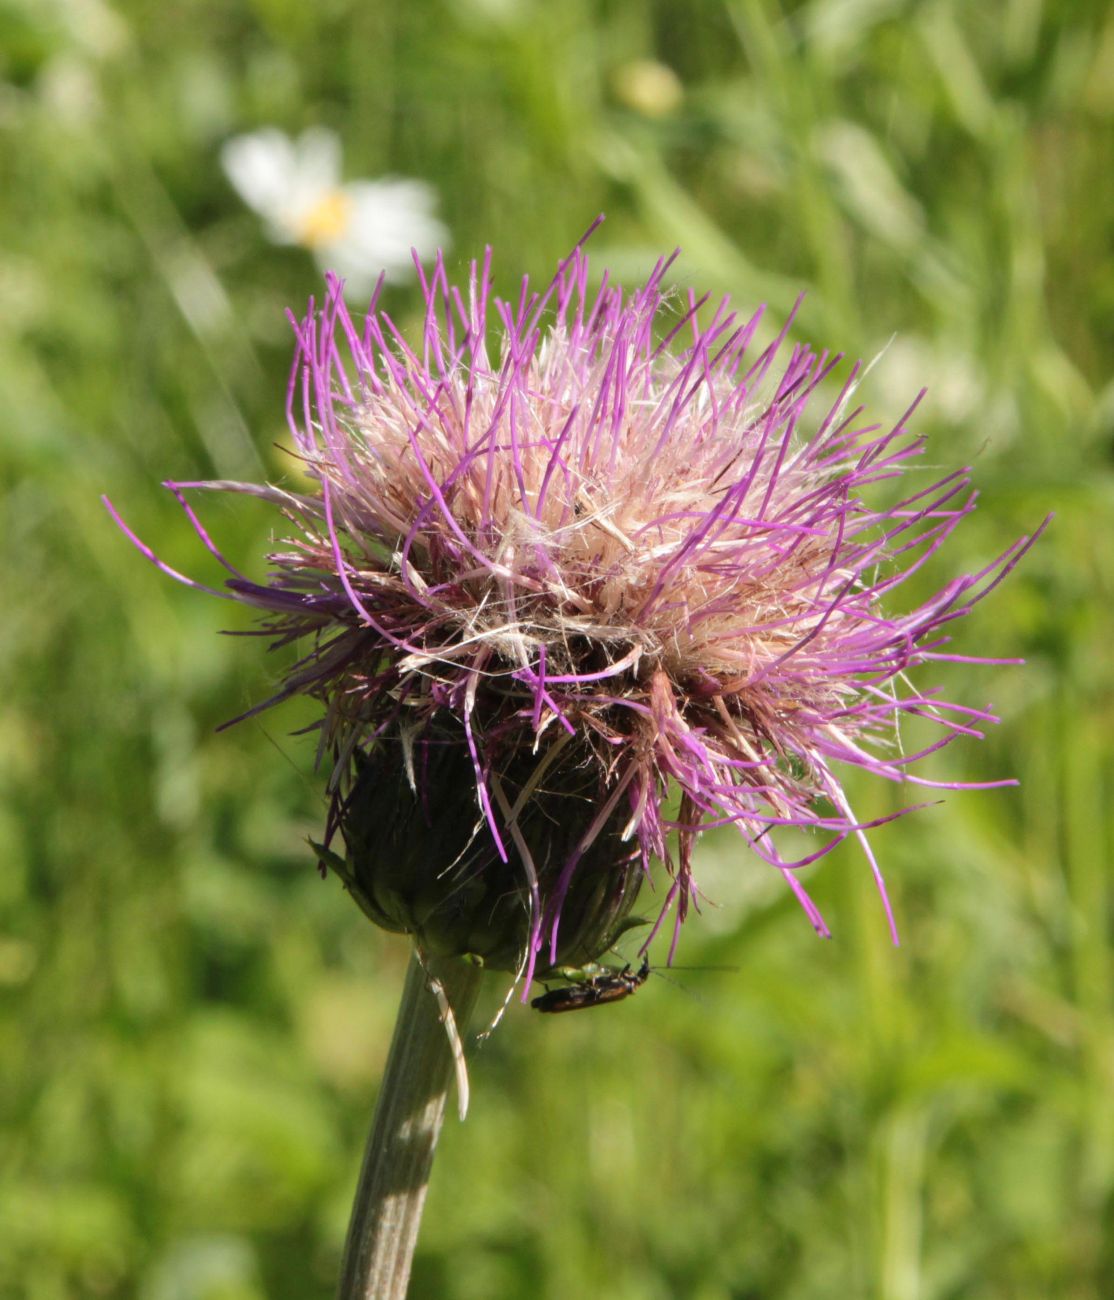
[{"x": 327, "y": 220}]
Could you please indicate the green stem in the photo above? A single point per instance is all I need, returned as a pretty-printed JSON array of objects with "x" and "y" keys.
[{"x": 390, "y": 1196}]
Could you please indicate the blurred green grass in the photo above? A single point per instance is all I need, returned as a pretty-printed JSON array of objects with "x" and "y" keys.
[{"x": 191, "y": 1023}]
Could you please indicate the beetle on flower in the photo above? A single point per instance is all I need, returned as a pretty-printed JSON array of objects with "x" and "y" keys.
[{"x": 583, "y": 576}]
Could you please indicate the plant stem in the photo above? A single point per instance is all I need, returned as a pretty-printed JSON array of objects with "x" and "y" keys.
[{"x": 390, "y": 1196}]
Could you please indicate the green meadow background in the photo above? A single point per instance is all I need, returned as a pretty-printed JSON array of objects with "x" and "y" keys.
[{"x": 192, "y": 1023}]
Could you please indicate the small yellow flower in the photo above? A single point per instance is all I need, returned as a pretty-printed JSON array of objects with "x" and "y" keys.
[{"x": 650, "y": 88}]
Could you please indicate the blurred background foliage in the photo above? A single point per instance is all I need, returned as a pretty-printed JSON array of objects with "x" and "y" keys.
[{"x": 192, "y": 1024}]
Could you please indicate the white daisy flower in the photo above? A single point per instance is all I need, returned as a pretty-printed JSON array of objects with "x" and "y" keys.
[{"x": 356, "y": 228}]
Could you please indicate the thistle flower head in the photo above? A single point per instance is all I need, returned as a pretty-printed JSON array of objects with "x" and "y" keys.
[{"x": 583, "y": 574}]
